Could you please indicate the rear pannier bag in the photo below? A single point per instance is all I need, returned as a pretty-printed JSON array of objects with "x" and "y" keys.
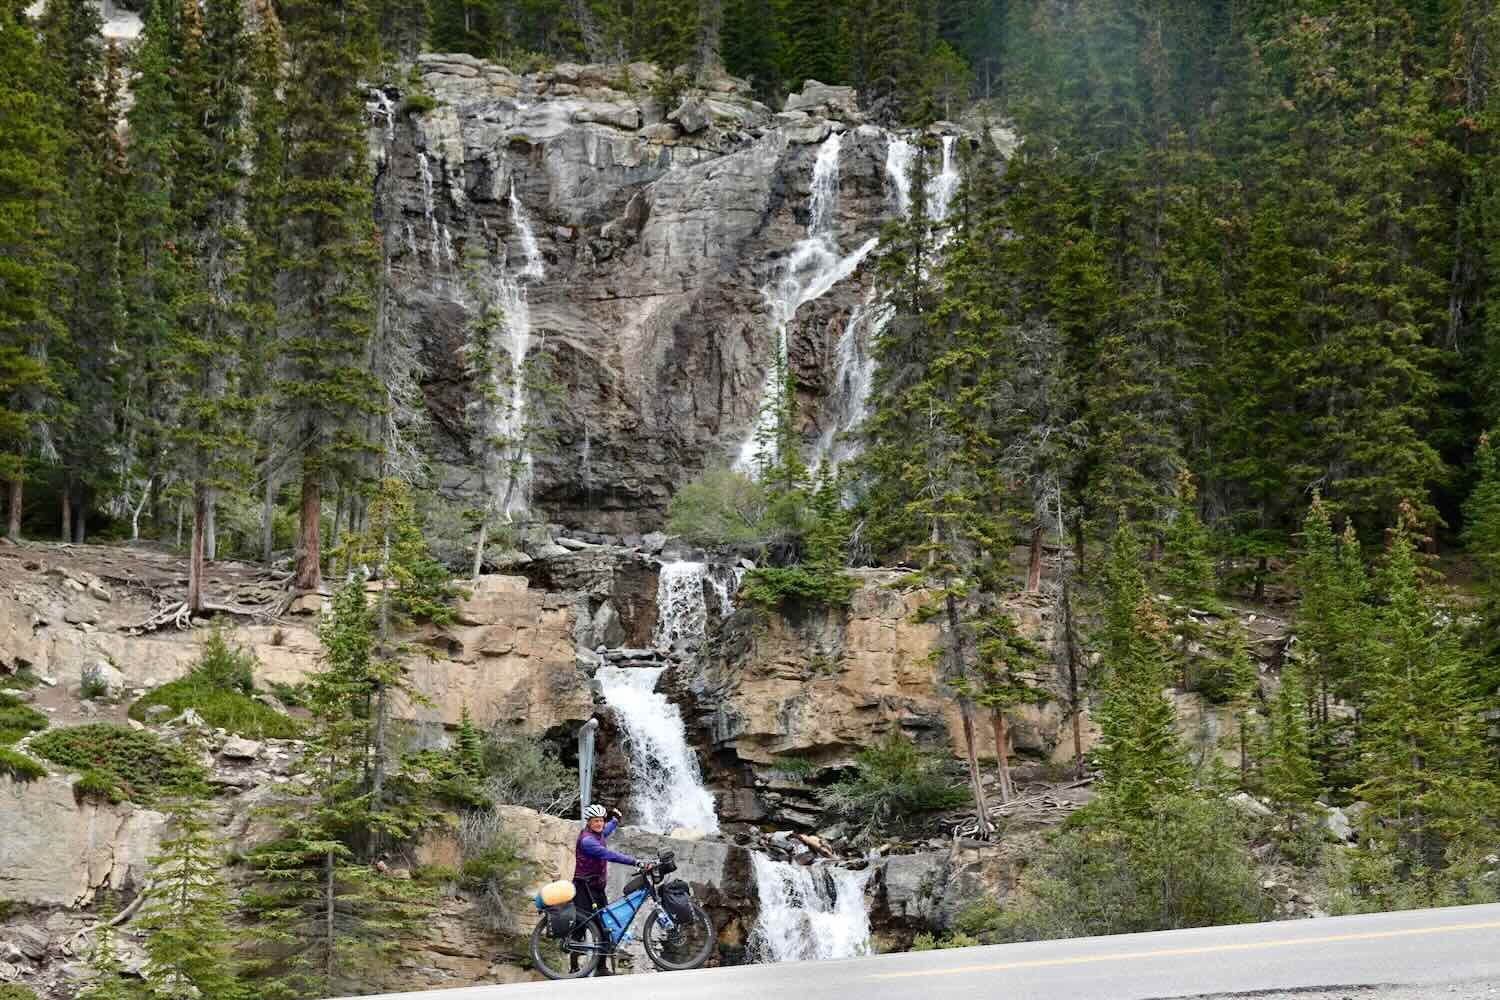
[
  {"x": 560, "y": 919},
  {"x": 677, "y": 900}
]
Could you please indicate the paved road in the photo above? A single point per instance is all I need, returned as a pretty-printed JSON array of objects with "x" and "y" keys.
[{"x": 1418, "y": 948}]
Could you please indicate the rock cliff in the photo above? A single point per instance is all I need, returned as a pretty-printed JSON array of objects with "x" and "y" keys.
[{"x": 631, "y": 236}]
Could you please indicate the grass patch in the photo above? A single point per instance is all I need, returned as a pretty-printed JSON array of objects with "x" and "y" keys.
[
  {"x": 21, "y": 680},
  {"x": 220, "y": 688},
  {"x": 93, "y": 686},
  {"x": 15, "y": 991},
  {"x": 19, "y": 766},
  {"x": 231, "y": 710},
  {"x": 127, "y": 764},
  {"x": 17, "y": 719}
]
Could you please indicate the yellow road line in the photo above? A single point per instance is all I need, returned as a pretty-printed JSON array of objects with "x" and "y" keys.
[{"x": 1126, "y": 956}]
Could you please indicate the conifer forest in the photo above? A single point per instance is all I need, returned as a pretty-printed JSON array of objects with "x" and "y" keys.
[{"x": 1170, "y": 314}]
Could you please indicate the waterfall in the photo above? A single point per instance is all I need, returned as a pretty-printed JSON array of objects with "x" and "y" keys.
[
  {"x": 809, "y": 912},
  {"x": 424, "y": 170},
  {"x": 943, "y": 185},
  {"x": 681, "y": 607},
  {"x": 848, "y": 405},
  {"x": 666, "y": 784},
  {"x": 511, "y": 284},
  {"x": 898, "y": 157},
  {"x": 814, "y": 266}
]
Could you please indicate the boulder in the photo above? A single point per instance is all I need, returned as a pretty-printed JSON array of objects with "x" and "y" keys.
[
  {"x": 27, "y": 942},
  {"x": 1250, "y": 805},
  {"x": 105, "y": 674},
  {"x": 58, "y": 851},
  {"x": 691, "y": 116},
  {"x": 815, "y": 96},
  {"x": 239, "y": 748}
]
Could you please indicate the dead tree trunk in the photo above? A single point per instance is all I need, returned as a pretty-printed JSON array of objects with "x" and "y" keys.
[
  {"x": 1034, "y": 564},
  {"x": 1002, "y": 756},
  {"x": 966, "y": 713},
  {"x": 80, "y": 515},
  {"x": 1075, "y": 700},
  {"x": 309, "y": 575},
  {"x": 13, "y": 509},
  {"x": 268, "y": 518},
  {"x": 66, "y": 499},
  {"x": 210, "y": 526},
  {"x": 196, "y": 548}
]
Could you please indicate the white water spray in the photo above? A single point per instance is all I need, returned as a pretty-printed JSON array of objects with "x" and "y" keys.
[
  {"x": 809, "y": 912},
  {"x": 666, "y": 783},
  {"x": 942, "y": 187},
  {"x": 813, "y": 267},
  {"x": 681, "y": 605},
  {"x": 898, "y": 159},
  {"x": 511, "y": 295}
]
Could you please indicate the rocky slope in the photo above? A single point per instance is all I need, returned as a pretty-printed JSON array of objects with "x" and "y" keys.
[{"x": 637, "y": 234}]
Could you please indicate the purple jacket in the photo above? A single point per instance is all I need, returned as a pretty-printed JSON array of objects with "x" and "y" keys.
[{"x": 594, "y": 855}]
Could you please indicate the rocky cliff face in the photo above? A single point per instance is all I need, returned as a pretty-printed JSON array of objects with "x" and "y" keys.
[{"x": 632, "y": 238}]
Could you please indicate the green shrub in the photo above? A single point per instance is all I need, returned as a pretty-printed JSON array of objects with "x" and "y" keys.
[
  {"x": 1184, "y": 863},
  {"x": 19, "y": 766},
  {"x": 893, "y": 784},
  {"x": 219, "y": 688},
  {"x": 770, "y": 586},
  {"x": 793, "y": 766},
  {"x": 928, "y": 942},
  {"x": 494, "y": 871},
  {"x": 523, "y": 770},
  {"x": 15, "y": 991},
  {"x": 417, "y": 104},
  {"x": 1374, "y": 878},
  {"x": 230, "y": 710},
  {"x": 22, "y": 680},
  {"x": 93, "y": 686},
  {"x": 18, "y": 718},
  {"x": 720, "y": 507},
  {"x": 101, "y": 786},
  {"x": 135, "y": 764},
  {"x": 435, "y": 874}
]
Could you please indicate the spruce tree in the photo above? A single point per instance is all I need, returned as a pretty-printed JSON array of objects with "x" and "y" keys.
[
  {"x": 28, "y": 331},
  {"x": 1482, "y": 538},
  {"x": 329, "y": 247},
  {"x": 1288, "y": 773},
  {"x": 190, "y": 948},
  {"x": 1428, "y": 772},
  {"x": 1139, "y": 757},
  {"x": 334, "y": 920}
]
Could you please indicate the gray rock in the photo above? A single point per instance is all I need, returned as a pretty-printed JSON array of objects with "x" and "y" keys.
[
  {"x": 1337, "y": 824},
  {"x": 608, "y": 628},
  {"x": 8, "y": 972},
  {"x": 549, "y": 551},
  {"x": 653, "y": 542},
  {"x": 189, "y": 719},
  {"x": 102, "y": 672},
  {"x": 1248, "y": 804},
  {"x": 80, "y": 613},
  {"x": 692, "y": 115},
  {"x": 239, "y": 748},
  {"x": 31, "y": 942},
  {"x": 573, "y": 544},
  {"x": 821, "y": 96}
]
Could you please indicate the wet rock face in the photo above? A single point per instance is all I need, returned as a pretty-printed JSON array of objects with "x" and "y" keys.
[{"x": 655, "y": 227}]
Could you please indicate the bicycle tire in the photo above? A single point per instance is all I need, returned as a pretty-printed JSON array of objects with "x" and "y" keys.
[
  {"x": 684, "y": 946},
  {"x": 551, "y": 959}
]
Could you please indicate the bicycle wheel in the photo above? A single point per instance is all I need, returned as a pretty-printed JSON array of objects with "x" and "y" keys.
[
  {"x": 682, "y": 944},
  {"x": 554, "y": 958}
]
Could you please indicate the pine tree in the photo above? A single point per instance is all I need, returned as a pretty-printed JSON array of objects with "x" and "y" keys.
[
  {"x": 1187, "y": 568},
  {"x": 1428, "y": 772},
  {"x": 28, "y": 331},
  {"x": 1139, "y": 757},
  {"x": 189, "y": 944},
  {"x": 329, "y": 247},
  {"x": 1008, "y": 677},
  {"x": 1482, "y": 538},
  {"x": 204, "y": 347},
  {"x": 1288, "y": 773},
  {"x": 334, "y": 919},
  {"x": 109, "y": 981}
]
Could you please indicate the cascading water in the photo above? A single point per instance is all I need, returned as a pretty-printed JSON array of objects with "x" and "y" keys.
[
  {"x": 813, "y": 267},
  {"x": 666, "y": 785},
  {"x": 511, "y": 285},
  {"x": 681, "y": 606},
  {"x": 854, "y": 356},
  {"x": 424, "y": 170},
  {"x": 815, "y": 912}
]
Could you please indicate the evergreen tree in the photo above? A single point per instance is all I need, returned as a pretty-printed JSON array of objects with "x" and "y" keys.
[
  {"x": 1288, "y": 772},
  {"x": 328, "y": 246},
  {"x": 1139, "y": 757},
  {"x": 1187, "y": 568},
  {"x": 1482, "y": 537},
  {"x": 189, "y": 944},
  {"x": 1427, "y": 770},
  {"x": 334, "y": 919},
  {"x": 28, "y": 331}
]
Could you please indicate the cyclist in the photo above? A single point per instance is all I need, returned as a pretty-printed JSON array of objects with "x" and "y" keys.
[{"x": 591, "y": 867}]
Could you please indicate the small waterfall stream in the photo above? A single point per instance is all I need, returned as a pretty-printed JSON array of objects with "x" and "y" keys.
[
  {"x": 511, "y": 294},
  {"x": 814, "y": 266},
  {"x": 809, "y": 912}
]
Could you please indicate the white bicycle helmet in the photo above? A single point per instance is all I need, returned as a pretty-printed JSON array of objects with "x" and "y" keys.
[{"x": 594, "y": 811}]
